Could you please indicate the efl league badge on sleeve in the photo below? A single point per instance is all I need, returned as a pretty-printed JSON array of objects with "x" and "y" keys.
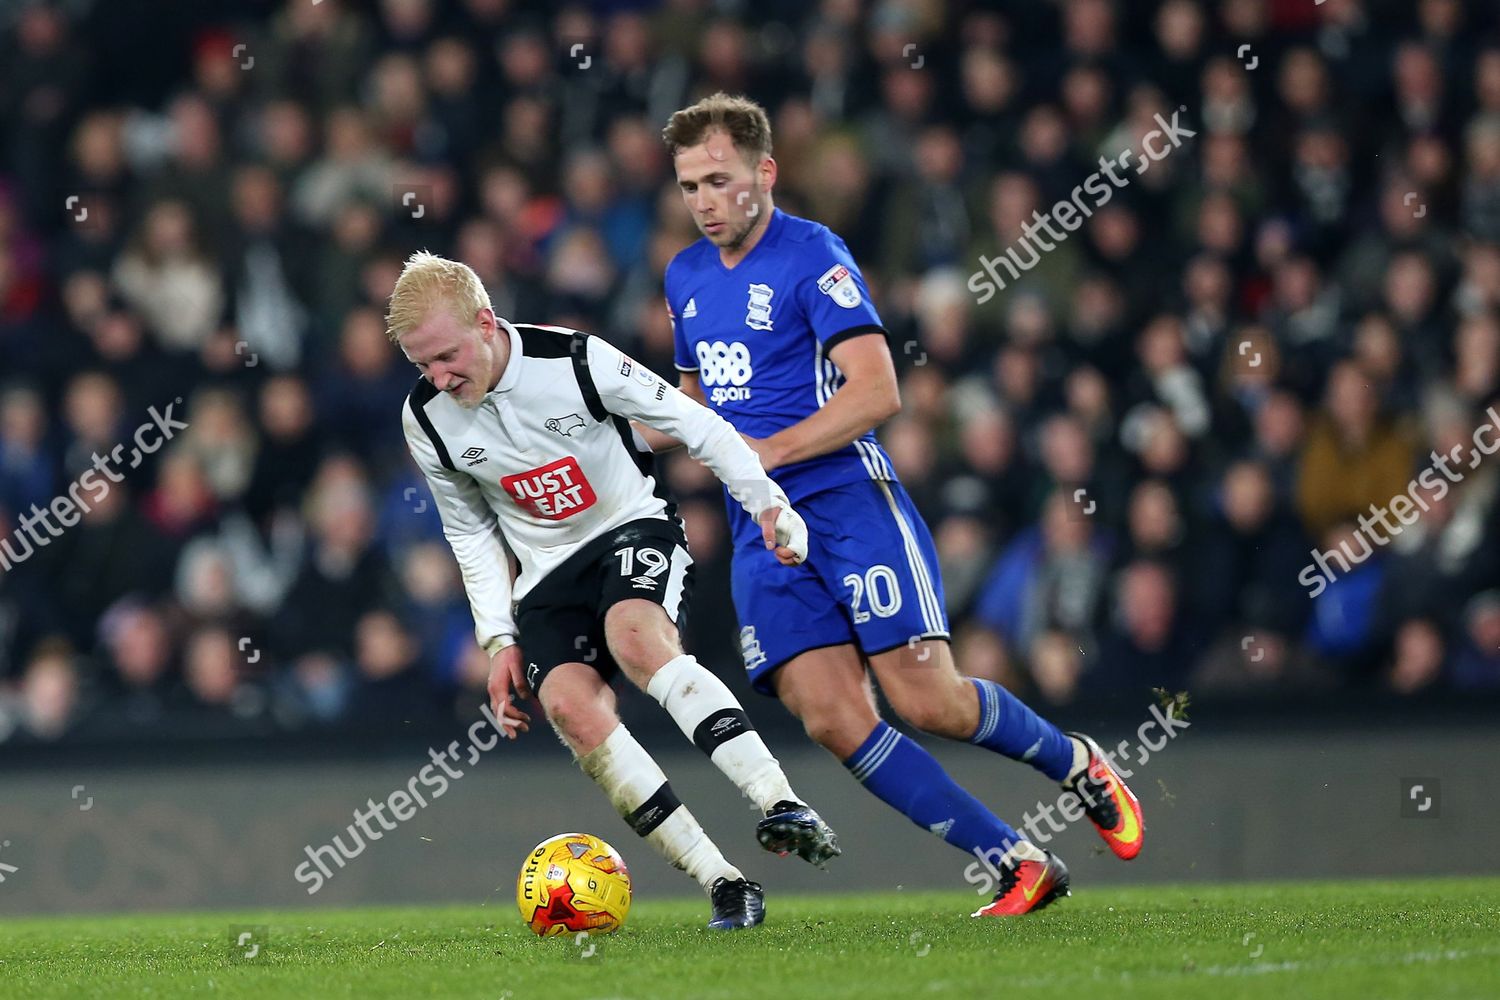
[{"x": 838, "y": 284}]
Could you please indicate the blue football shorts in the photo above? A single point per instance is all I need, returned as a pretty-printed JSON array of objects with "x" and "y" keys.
[{"x": 871, "y": 578}]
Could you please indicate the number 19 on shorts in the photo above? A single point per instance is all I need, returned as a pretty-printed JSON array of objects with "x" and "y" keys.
[
  {"x": 653, "y": 563},
  {"x": 879, "y": 587}
]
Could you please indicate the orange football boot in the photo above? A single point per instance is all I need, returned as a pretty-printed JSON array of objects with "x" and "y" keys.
[
  {"x": 1027, "y": 886},
  {"x": 1110, "y": 806}
]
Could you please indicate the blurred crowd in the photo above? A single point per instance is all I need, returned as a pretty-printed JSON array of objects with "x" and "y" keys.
[{"x": 1127, "y": 456}]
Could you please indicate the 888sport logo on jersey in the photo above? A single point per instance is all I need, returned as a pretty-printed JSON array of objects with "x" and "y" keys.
[{"x": 724, "y": 369}]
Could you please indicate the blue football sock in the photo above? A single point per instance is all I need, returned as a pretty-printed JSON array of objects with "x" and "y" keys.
[
  {"x": 1008, "y": 727},
  {"x": 907, "y": 778}
]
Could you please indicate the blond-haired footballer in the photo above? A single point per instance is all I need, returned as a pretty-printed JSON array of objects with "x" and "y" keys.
[{"x": 523, "y": 432}]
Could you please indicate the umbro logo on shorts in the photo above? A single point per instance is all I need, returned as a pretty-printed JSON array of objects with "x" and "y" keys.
[{"x": 643, "y": 582}]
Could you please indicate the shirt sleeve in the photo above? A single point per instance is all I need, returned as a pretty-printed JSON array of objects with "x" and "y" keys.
[
  {"x": 629, "y": 389},
  {"x": 683, "y": 358},
  {"x": 832, "y": 293},
  {"x": 474, "y": 535}
]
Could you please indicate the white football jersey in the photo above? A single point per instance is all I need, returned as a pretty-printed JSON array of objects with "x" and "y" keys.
[{"x": 548, "y": 461}]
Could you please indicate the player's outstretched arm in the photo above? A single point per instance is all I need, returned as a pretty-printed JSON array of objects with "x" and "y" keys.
[
  {"x": 658, "y": 442},
  {"x": 869, "y": 396},
  {"x": 474, "y": 535},
  {"x": 632, "y": 391}
]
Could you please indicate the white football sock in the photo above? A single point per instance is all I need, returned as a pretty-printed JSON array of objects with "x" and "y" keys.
[
  {"x": 708, "y": 713},
  {"x": 1024, "y": 850},
  {"x": 1080, "y": 758},
  {"x": 641, "y": 794}
]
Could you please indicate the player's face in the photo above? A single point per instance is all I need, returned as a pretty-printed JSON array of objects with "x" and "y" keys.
[
  {"x": 728, "y": 197},
  {"x": 462, "y": 360}
]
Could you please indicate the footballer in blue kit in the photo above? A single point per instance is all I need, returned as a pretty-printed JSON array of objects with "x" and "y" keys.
[
  {"x": 764, "y": 378},
  {"x": 776, "y": 331}
]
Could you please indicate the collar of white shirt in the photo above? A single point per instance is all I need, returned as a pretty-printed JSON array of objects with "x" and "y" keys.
[{"x": 512, "y": 373}]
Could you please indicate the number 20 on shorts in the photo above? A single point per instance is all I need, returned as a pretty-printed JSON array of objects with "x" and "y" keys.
[{"x": 883, "y": 589}]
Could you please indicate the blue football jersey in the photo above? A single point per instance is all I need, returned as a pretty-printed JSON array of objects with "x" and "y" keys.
[{"x": 758, "y": 335}]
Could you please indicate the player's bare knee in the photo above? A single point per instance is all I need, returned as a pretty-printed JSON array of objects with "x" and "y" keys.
[
  {"x": 640, "y": 637},
  {"x": 565, "y": 697},
  {"x": 823, "y": 732},
  {"x": 926, "y": 690},
  {"x": 577, "y": 715},
  {"x": 632, "y": 649},
  {"x": 921, "y": 709},
  {"x": 838, "y": 730},
  {"x": 561, "y": 706},
  {"x": 838, "y": 738}
]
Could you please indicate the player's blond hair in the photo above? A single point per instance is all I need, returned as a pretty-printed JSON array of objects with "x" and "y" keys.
[
  {"x": 430, "y": 282},
  {"x": 744, "y": 121}
]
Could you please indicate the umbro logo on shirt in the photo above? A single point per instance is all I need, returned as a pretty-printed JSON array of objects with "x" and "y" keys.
[{"x": 474, "y": 456}]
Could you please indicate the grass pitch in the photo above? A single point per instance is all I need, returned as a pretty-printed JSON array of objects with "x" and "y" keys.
[{"x": 1429, "y": 938}]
